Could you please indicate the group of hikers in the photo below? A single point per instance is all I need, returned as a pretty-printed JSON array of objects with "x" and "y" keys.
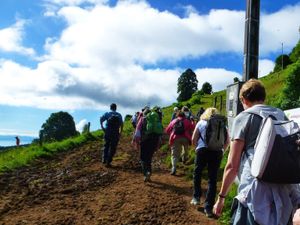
[{"x": 257, "y": 202}]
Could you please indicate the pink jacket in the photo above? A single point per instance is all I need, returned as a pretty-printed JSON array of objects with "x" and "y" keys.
[{"x": 188, "y": 130}]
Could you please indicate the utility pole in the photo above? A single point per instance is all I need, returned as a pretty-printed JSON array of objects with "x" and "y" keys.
[
  {"x": 281, "y": 55},
  {"x": 251, "y": 40},
  {"x": 250, "y": 66}
]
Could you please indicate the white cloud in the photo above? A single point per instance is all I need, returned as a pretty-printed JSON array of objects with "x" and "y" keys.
[
  {"x": 265, "y": 66},
  {"x": 17, "y": 132},
  {"x": 219, "y": 78},
  {"x": 76, "y": 2},
  {"x": 81, "y": 124},
  {"x": 280, "y": 27},
  {"x": 11, "y": 39},
  {"x": 111, "y": 35}
]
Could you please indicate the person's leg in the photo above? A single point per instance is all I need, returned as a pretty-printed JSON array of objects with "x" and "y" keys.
[
  {"x": 200, "y": 163},
  {"x": 113, "y": 148},
  {"x": 152, "y": 146},
  {"x": 185, "y": 146},
  {"x": 143, "y": 155},
  {"x": 106, "y": 148},
  {"x": 175, "y": 154},
  {"x": 213, "y": 164}
]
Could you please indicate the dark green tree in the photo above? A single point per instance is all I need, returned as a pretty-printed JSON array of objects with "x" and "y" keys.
[
  {"x": 282, "y": 62},
  {"x": 206, "y": 88},
  {"x": 291, "y": 92},
  {"x": 57, "y": 127},
  {"x": 236, "y": 79},
  {"x": 187, "y": 85}
]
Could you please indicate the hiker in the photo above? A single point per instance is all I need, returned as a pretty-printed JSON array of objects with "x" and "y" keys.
[
  {"x": 147, "y": 134},
  {"x": 188, "y": 113},
  {"x": 112, "y": 132},
  {"x": 17, "y": 141},
  {"x": 158, "y": 110},
  {"x": 200, "y": 112},
  {"x": 257, "y": 202},
  {"x": 175, "y": 111},
  {"x": 134, "y": 119},
  {"x": 210, "y": 138},
  {"x": 180, "y": 131}
]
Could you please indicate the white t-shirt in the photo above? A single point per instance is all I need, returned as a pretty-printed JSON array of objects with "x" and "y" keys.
[{"x": 201, "y": 126}]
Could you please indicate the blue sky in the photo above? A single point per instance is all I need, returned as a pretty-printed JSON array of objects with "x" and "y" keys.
[{"x": 80, "y": 55}]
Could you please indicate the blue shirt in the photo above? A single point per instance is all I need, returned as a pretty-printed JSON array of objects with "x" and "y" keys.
[{"x": 107, "y": 115}]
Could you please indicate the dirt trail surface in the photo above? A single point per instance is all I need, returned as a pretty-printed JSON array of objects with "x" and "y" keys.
[{"x": 75, "y": 188}]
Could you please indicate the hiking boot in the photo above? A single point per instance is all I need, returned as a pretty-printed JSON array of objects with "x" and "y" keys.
[
  {"x": 195, "y": 201},
  {"x": 173, "y": 171},
  {"x": 107, "y": 164},
  {"x": 208, "y": 213},
  {"x": 147, "y": 177}
]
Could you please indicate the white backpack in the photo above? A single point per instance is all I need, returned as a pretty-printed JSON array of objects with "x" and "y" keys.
[{"x": 276, "y": 155}]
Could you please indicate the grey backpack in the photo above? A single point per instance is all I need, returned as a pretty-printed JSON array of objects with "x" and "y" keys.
[{"x": 216, "y": 133}]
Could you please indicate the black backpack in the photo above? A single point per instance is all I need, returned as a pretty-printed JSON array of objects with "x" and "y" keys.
[
  {"x": 216, "y": 133},
  {"x": 113, "y": 122},
  {"x": 179, "y": 127}
]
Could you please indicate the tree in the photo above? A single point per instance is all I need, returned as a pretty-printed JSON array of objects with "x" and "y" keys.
[
  {"x": 282, "y": 62},
  {"x": 206, "y": 88},
  {"x": 236, "y": 79},
  {"x": 187, "y": 85},
  {"x": 57, "y": 127}
]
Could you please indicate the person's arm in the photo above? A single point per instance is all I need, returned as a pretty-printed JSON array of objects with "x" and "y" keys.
[
  {"x": 195, "y": 136},
  {"x": 230, "y": 172},
  {"x": 102, "y": 119},
  {"x": 227, "y": 142},
  {"x": 169, "y": 128},
  {"x": 122, "y": 124},
  {"x": 296, "y": 217},
  {"x": 121, "y": 128}
]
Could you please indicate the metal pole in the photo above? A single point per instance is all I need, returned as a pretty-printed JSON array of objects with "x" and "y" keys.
[
  {"x": 251, "y": 40},
  {"x": 281, "y": 55},
  {"x": 221, "y": 103}
]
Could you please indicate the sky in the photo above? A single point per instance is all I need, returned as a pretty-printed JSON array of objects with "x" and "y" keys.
[{"x": 79, "y": 56}]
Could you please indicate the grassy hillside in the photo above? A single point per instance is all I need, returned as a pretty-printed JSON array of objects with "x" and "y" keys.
[{"x": 21, "y": 156}]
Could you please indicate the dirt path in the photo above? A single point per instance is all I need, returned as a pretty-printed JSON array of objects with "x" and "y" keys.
[{"x": 75, "y": 188}]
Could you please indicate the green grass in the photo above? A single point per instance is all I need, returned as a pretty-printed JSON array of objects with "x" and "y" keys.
[{"x": 22, "y": 156}]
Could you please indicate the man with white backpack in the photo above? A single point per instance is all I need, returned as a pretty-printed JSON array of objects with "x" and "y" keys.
[{"x": 258, "y": 201}]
